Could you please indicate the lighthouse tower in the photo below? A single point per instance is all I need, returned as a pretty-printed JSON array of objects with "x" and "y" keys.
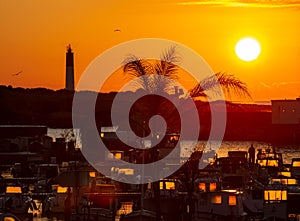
[{"x": 69, "y": 69}]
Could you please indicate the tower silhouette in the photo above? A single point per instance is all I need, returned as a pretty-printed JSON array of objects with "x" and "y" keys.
[{"x": 69, "y": 69}]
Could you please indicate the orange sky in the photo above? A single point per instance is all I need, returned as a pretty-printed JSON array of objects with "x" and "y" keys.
[{"x": 34, "y": 35}]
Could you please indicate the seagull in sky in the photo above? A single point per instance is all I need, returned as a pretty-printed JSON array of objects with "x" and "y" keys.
[
  {"x": 117, "y": 30},
  {"x": 16, "y": 74}
]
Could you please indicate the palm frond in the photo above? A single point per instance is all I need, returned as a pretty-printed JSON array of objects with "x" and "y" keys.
[
  {"x": 197, "y": 91},
  {"x": 154, "y": 76},
  {"x": 167, "y": 64},
  {"x": 139, "y": 68},
  {"x": 228, "y": 83}
]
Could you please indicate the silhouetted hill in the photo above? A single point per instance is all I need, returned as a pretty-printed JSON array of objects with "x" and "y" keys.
[{"x": 40, "y": 106}]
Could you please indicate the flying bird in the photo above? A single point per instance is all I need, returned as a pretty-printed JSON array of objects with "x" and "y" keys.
[
  {"x": 117, "y": 30},
  {"x": 16, "y": 74}
]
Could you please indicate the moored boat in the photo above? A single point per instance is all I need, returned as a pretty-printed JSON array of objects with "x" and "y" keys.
[
  {"x": 213, "y": 203},
  {"x": 170, "y": 201},
  {"x": 16, "y": 202}
]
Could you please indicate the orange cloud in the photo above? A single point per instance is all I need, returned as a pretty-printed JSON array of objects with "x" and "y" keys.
[{"x": 248, "y": 3}]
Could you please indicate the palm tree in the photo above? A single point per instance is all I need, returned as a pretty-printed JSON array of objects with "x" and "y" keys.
[{"x": 154, "y": 78}]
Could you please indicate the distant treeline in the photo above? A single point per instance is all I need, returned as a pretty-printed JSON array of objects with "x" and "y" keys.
[{"x": 40, "y": 106}]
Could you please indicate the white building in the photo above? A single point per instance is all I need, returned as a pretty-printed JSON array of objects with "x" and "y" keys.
[{"x": 286, "y": 111}]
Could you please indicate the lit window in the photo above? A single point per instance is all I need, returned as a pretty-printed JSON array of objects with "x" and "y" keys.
[
  {"x": 170, "y": 185},
  {"x": 126, "y": 171},
  {"x": 285, "y": 173},
  {"x": 292, "y": 181},
  {"x": 102, "y": 135},
  {"x": 296, "y": 164},
  {"x": 217, "y": 199},
  {"x": 262, "y": 162},
  {"x": 232, "y": 200},
  {"x": 92, "y": 174},
  {"x": 161, "y": 185},
  {"x": 61, "y": 189},
  {"x": 284, "y": 195},
  {"x": 272, "y": 163},
  {"x": 118, "y": 155},
  {"x": 201, "y": 187},
  {"x": 275, "y": 195},
  {"x": 212, "y": 187},
  {"x": 13, "y": 189}
]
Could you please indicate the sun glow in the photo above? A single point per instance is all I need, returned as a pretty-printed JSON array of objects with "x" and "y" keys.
[{"x": 247, "y": 49}]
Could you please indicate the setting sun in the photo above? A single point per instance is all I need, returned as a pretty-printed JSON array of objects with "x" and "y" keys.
[{"x": 247, "y": 49}]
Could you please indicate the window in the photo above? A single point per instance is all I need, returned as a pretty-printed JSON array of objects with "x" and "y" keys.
[
  {"x": 216, "y": 199},
  {"x": 61, "y": 189},
  {"x": 275, "y": 195},
  {"x": 232, "y": 200},
  {"x": 296, "y": 164},
  {"x": 272, "y": 163},
  {"x": 202, "y": 187},
  {"x": 291, "y": 181},
  {"x": 161, "y": 185},
  {"x": 284, "y": 173},
  {"x": 118, "y": 155},
  {"x": 170, "y": 185},
  {"x": 13, "y": 189},
  {"x": 212, "y": 187}
]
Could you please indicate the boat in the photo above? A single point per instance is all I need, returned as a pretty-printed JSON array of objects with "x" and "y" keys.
[
  {"x": 269, "y": 164},
  {"x": 292, "y": 186},
  {"x": 253, "y": 199},
  {"x": 279, "y": 200},
  {"x": 171, "y": 203},
  {"x": 218, "y": 205},
  {"x": 213, "y": 203},
  {"x": 234, "y": 170},
  {"x": 16, "y": 202},
  {"x": 275, "y": 203},
  {"x": 55, "y": 202},
  {"x": 234, "y": 163},
  {"x": 295, "y": 168}
]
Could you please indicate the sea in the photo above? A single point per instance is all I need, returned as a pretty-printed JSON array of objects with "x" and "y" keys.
[{"x": 187, "y": 146}]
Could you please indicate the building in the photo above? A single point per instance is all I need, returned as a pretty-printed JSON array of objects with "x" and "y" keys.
[
  {"x": 286, "y": 121},
  {"x": 286, "y": 111},
  {"x": 69, "y": 69}
]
